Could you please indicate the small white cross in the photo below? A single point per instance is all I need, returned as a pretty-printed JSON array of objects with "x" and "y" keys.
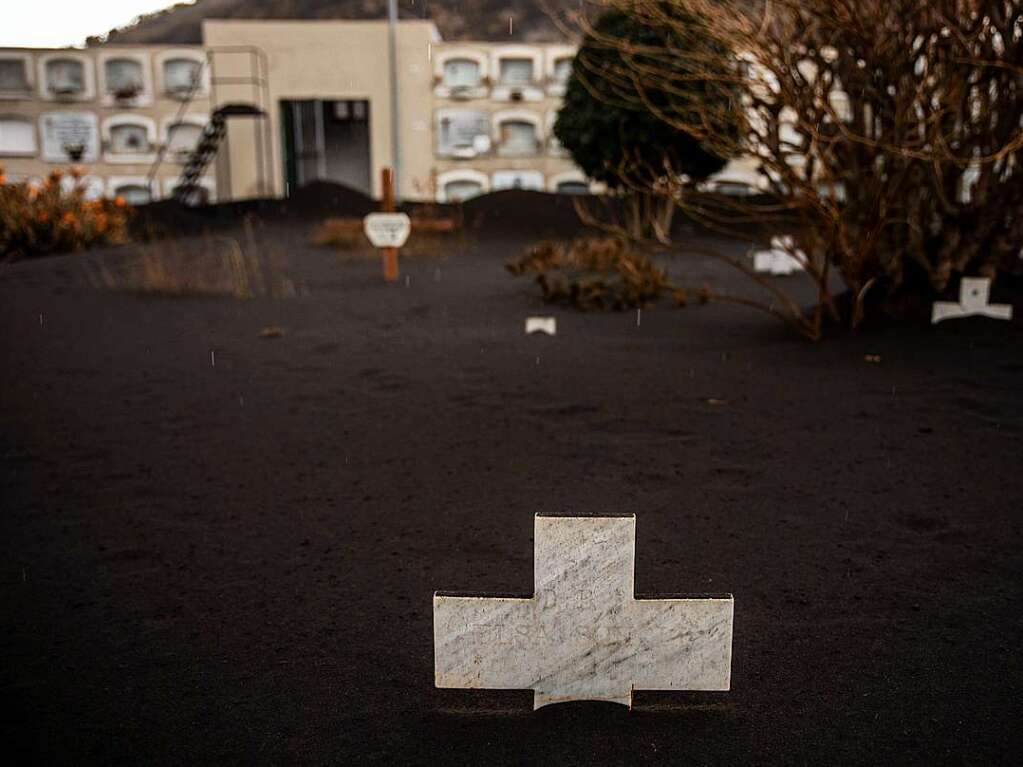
[
  {"x": 782, "y": 258},
  {"x": 582, "y": 635},
  {"x": 973, "y": 300},
  {"x": 548, "y": 325}
]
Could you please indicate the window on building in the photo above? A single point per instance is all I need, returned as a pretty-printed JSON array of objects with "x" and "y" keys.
[
  {"x": 518, "y": 137},
  {"x": 133, "y": 194},
  {"x": 456, "y": 191},
  {"x": 13, "y": 76},
  {"x": 182, "y": 138},
  {"x": 461, "y": 73},
  {"x": 517, "y": 179},
  {"x": 129, "y": 138},
  {"x": 65, "y": 77},
  {"x": 840, "y": 103},
  {"x": 17, "y": 136},
  {"x": 562, "y": 69},
  {"x": 180, "y": 74},
  {"x": 573, "y": 187},
  {"x": 462, "y": 131},
  {"x": 516, "y": 72},
  {"x": 790, "y": 138},
  {"x": 123, "y": 77}
]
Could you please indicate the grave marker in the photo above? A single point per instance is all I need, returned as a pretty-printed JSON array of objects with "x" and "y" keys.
[
  {"x": 973, "y": 300},
  {"x": 582, "y": 635},
  {"x": 387, "y": 230},
  {"x": 782, "y": 258},
  {"x": 548, "y": 325}
]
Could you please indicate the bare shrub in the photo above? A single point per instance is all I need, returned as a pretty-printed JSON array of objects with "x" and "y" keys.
[
  {"x": 340, "y": 233},
  {"x": 238, "y": 267},
  {"x": 593, "y": 273},
  {"x": 886, "y": 133},
  {"x": 432, "y": 236}
]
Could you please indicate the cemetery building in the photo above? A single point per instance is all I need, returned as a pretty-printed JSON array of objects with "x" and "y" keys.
[{"x": 263, "y": 107}]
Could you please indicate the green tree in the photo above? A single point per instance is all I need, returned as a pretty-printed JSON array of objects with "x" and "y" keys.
[{"x": 613, "y": 122}]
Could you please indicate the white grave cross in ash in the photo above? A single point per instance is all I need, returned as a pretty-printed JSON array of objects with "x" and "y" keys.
[
  {"x": 973, "y": 300},
  {"x": 583, "y": 635}
]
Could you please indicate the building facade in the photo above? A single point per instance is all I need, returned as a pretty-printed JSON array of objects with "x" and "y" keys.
[
  {"x": 300, "y": 101},
  {"x": 113, "y": 111}
]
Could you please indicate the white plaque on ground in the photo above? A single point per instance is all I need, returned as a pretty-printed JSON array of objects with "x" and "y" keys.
[
  {"x": 582, "y": 635},
  {"x": 65, "y": 134},
  {"x": 387, "y": 230},
  {"x": 973, "y": 300},
  {"x": 548, "y": 325}
]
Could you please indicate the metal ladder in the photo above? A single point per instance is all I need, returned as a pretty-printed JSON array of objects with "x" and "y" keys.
[{"x": 214, "y": 133}]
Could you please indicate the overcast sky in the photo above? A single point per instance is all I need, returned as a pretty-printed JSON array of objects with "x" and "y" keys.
[{"x": 50, "y": 23}]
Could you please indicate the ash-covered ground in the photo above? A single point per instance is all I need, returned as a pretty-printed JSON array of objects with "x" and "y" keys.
[{"x": 219, "y": 545}]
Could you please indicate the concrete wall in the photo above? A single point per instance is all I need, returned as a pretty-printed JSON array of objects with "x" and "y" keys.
[
  {"x": 152, "y": 107},
  {"x": 536, "y": 102},
  {"x": 323, "y": 61}
]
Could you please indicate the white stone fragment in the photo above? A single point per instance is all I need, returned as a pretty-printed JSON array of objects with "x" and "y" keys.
[
  {"x": 582, "y": 635},
  {"x": 973, "y": 300},
  {"x": 782, "y": 258},
  {"x": 387, "y": 230},
  {"x": 548, "y": 325}
]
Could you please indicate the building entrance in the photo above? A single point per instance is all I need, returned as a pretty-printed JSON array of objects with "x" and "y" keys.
[{"x": 327, "y": 141}]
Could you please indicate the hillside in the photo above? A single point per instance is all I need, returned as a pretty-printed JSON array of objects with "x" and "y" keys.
[{"x": 512, "y": 20}]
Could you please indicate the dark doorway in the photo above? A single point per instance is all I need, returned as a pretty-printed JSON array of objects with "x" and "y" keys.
[{"x": 328, "y": 141}]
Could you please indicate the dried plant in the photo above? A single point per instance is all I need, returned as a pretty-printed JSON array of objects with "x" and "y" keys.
[
  {"x": 594, "y": 273},
  {"x": 56, "y": 217},
  {"x": 340, "y": 233},
  {"x": 238, "y": 267}
]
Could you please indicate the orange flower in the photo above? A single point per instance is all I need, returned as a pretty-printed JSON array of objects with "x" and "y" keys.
[
  {"x": 68, "y": 218},
  {"x": 119, "y": 201},
  {"x": 3, "y": 178}
]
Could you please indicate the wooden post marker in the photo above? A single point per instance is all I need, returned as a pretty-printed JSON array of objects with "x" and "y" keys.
[{"x": 388, "y": 230}]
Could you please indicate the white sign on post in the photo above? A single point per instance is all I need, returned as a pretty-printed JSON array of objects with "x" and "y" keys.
[
  {"x": 387, "y": 230},
  {"x": 582, "y": 635}
]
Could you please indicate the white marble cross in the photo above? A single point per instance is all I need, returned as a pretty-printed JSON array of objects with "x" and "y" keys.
[
  {"x": 582, "y": 635},
  {"x": 973, "y": 300}
]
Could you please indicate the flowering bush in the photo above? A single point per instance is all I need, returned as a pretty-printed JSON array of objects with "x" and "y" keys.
[{"x": 56, "y": 217}]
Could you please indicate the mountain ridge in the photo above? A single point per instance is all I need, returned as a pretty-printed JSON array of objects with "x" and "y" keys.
[{"x": 489, "y": 20}]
